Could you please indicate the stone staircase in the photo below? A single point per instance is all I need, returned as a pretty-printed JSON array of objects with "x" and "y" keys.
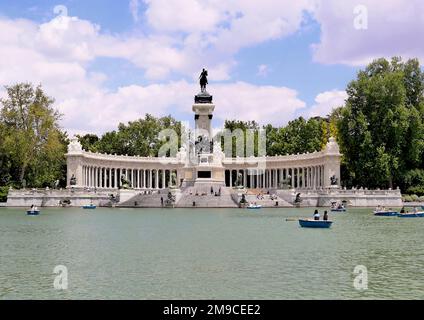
[
  {"x": 146, "y": 200},
  {"x": 202, "y": 197},
  {"x": 267, "y": 201}
]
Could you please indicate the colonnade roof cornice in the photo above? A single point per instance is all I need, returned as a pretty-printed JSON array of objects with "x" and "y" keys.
[
  {"x": 285, "y": 158},
  {"x": 124, "y": 158},
  {"x": 307, "y": 158}
]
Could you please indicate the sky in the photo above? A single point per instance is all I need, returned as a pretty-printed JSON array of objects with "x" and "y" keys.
[{"x": 112, "y": 61}]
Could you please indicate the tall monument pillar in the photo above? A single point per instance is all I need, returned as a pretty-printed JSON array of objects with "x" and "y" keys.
[
  {"x": 206, "y": 167},
  {"x": 203, "y": 113}
]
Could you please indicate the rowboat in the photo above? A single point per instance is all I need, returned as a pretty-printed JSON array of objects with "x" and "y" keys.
[
  {"x": 337, "y": 207},
  {"x": 33, "y": 212},
  {"x": 89, "y": 206},
  {"x": 385, "y": 213},
  {"x": 411, "y": 215},
  {"x": 254, "y": 206},
  {"x": 308, "y": 223}
]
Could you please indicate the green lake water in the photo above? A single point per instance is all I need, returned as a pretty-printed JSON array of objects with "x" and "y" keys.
[{"x": 208, "y": 254}]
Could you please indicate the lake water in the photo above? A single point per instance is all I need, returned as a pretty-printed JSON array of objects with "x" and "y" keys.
[{"x": 207, "y": 254}]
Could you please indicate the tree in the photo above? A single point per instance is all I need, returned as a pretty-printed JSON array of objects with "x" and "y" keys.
[
  {"x": 380, "y": 130},
  {"x": 244, "y": 126},
  {"x": 299, "y": 136},
  {"x": 32, "y": 146},
  {"x": 137, "y": 138},
  {"x": 88, "y": 141}
]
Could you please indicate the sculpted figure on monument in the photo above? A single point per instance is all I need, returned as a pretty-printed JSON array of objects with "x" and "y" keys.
[
  {"x": 125, "y": 184},
  {"x": 203, "y": 80},
  {"x": 73, "y": 180},
  {"x": 333, "y": 180}
]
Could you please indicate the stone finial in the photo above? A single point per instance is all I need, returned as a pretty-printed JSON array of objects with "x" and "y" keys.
[
  {"x": 74, "y": 146},
  {"x": 332, "y": 146}
]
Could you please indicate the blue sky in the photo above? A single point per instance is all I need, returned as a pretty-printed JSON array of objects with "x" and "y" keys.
[{"x": 111, "y": 61}]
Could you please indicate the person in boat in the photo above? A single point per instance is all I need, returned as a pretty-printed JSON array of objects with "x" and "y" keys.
[
  {"x": 316, "y": 215},
  {"x": 402, "y": 210},
  {"x": 325, "y": 217},
  {"x": 32, "y": 208}
]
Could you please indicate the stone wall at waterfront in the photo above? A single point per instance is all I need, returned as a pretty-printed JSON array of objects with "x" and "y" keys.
[
  {"x": 353, "y": 197},
  {"x": 55, "y": 198},
  {"x": 309, "y": 198}
]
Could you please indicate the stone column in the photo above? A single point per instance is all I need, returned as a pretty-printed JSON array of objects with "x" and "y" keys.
[
  {"x": 96, "y": 176},
  {"x": 292, "y": 177},
  {"x": 92, "y": 177},
  {"x": 245, "y": 178},
  {"x": 150, "y": 178},
  {"x": 144, "y": 179},
  {"x": 89, "y": 176},
  {"x": 163, "y": 178},
  {"x": 298, "y": 177},
  {"x": 316, "y": 177},
  {"x": 101, "y": 177}
]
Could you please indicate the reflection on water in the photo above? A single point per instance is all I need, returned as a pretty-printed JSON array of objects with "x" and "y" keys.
[{"x": 207, "y": 254}]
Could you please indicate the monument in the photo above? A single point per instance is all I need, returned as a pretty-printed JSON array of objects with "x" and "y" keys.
[{"x": 204, "y": 166}]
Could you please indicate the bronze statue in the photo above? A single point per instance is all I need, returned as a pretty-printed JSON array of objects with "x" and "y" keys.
[
  {"x": 203, "y": 80},
  {"x": 73, "y": 180}
]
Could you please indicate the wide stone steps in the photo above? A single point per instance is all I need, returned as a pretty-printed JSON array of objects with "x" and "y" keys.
[
  {"x": 146, "y": 200},
  {"x": 267, "y": 202},
  {"x": 203, "y": 198}
]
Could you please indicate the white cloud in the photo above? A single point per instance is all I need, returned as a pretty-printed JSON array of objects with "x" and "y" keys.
[
  {"x": 325, "y": 102},
  {"x": 394, "y": 27},
  {"x": 134, "y": 8},
  {"x": 57, "y": 54},
  {"x": 104, "y": 110}
]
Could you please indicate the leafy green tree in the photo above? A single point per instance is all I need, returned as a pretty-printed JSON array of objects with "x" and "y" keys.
[
  {"x": 244, "y": 126},
  {"x": 137, "y": 138},
  {"x": 31, "y": 145},
  {"x": 299, "y": 136},
  {"x": 88, "y": 141},
  {"x": 380, "y": 130}
]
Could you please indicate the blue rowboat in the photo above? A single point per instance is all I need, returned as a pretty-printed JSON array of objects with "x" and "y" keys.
[
  {"x": 338, "y": 210},
  {"x": 412, "y": 215},
  {"x": 254, "y": 206},
  {"x": 386, "y": 213},
  {"x": 306, "y": 223},
  {"x": 33, "y": 212},
  {"x": 89, "y": 206}
]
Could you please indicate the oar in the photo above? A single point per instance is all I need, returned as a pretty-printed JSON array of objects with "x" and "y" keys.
[{"x": 292, "y": 219}]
